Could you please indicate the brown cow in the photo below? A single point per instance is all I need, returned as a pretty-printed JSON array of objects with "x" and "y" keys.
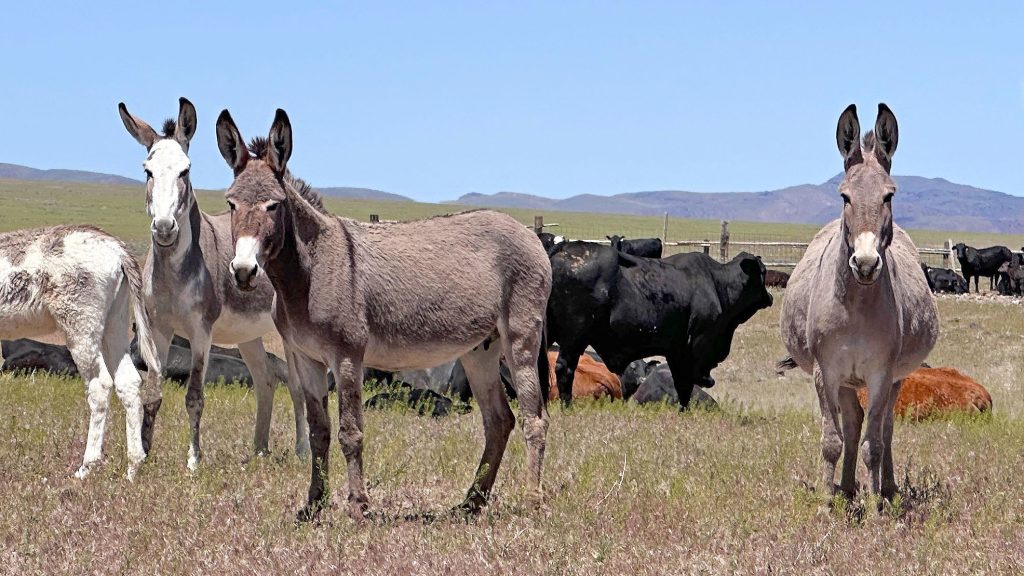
[
  {"x": 592, "y": 380},
  {"x": 929, "y": 392}
]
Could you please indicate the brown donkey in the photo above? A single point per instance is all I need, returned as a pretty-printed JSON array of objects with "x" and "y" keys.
[
  {"x": 858, "y": 312},
  {"x": 390, "y": 296}
]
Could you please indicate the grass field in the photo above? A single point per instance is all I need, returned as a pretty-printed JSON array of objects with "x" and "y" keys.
[{"x": 629, "y": 489}]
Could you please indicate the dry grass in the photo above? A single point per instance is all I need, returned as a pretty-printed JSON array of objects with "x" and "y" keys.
[{"x": 630, "y": 490}]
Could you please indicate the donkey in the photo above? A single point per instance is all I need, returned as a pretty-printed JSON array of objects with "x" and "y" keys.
[
  {"x": 858, "y": 312},
  {"x": 80, "y": 281},
  {"x": 188, "y": 289},
  {"x": 392, "y": 296}
]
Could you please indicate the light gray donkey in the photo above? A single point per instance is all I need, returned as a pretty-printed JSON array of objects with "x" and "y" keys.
[
  {"x": 81, "y": 281},
  {"x": 188, "y": 288},
  {"x": 390, "y": 296},
  {"x": 858, "y": 311}
]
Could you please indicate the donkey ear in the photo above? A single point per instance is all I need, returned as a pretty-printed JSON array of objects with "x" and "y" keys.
[
  {"x": 848, "y": 137},
  {"x": 229, "y": 140},
  {"x": 186, "y": 127},
  {"x": 887, "y": 135},
  {"x": 280, "y": 142},
  {"x": 142, "y": 132}
]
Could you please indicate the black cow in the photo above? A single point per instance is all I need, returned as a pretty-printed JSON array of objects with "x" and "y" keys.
[
  {"x": 685, "y": 307},
  {"x": 656, "y": 385},
  {"x": 944, "y": 280},
  {"x": 549, "y": 240},
  {"x": 642, "y": 247},
  {"x": 223, "y": 363},
  {"x": 976, "y": 262},
  {"x": 24, "y": 355}
]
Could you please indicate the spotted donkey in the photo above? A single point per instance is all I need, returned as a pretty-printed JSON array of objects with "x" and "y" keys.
[{"x": 80, "y": 281}]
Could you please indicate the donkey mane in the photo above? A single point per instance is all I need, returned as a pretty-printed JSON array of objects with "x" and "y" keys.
[
  {"x": 869, "y": 141},
  {"x": 170, "y": 125},
  {"x": 259, "y": 147}
]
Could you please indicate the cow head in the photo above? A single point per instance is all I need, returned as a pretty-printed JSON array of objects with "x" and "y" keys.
[
  {"x": 961, "y": 251},
  {"x": 753, "y": 295}
]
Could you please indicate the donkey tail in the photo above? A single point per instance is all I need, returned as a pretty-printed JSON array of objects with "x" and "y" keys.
[
  {"x": 147, "y": 347},
  {"x": 787, "y": 363}
]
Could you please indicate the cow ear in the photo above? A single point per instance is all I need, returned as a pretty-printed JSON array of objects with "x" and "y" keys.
[
  {"x": 848, "y": 137},
  {"x": 231, "y": 144},
  {"x": 887, "y": 136},
  {"x": 752, "y": 266}
]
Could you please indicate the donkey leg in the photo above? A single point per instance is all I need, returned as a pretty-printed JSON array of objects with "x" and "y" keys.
[
  {"x": 85, "y": 351},
  {"x": 313, "y": 377},
  {"x": 200, "y": 341},
  {"x": 872, "y": 447},
  {"x": 888, "y": 473},
  {"x": 831, "y": 442},
  {"x": 126, "y": 380},
  {"x": 255, "y": 358},
  {"x": 299, "y": 408},
  {"x": 348, "y": 376},
  {"x": 853, "y": 420},
  {"x": 522, "y": 346},
  {"x": 152, "y": 393},
  {"x": 484, "y": 380}
]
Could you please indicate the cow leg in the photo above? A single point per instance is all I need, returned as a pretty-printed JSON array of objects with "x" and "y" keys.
[
  {"x": 522, "y": 345},
  {"x": 681, "y": 380},
  {"x": 348, "y": 377},
  {"x": 484, "y": 380},
  {"x": 888, "y": 472},
  {"x": 565, "y": 371},
  {"x": 312, "y": 376},
  {"x": 255, "y": 358},
  {"x": 853, "y": 420},
  {"x": 152, "y": 393},
  {"x": 831, "y": 443},
  {"x": 200, "y": 341},
  {"x": 85, "y": 350},
  {"x": 872, "y": 448}
]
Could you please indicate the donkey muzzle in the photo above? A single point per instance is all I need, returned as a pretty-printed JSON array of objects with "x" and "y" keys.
[
  {"x": 245, "y": 274},
  {"x": 165, "y": 231}
]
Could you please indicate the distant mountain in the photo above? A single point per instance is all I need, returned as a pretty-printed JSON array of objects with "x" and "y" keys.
[
  {"x": 932, "y": 203},
  {"x": 16, "y": 172},
  {"x": 363, "y": 194}
]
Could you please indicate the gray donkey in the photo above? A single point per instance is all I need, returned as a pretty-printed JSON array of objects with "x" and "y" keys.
[
  {"x": 858, "y": 311},
  {"x": 188, "y": 289},
  {"x": 81, "y": 281},
  {"x": 390, "y": 296}
]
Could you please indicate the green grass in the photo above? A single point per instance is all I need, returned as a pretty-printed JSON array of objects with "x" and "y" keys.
[{"x": 629, "y": 489}]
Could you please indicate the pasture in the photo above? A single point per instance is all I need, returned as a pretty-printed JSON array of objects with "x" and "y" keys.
[{"x": 629, "y": 489}]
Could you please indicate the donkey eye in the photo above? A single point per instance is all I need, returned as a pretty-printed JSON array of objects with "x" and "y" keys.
[
  {"x": 184, "y": 173},
  {"x": 272, "y": 206},
  {"x": 149, "y": 175},
  {"x": 887, "y": 198},
  {"x": 231, "y": 205},
  {"x": 846, "y": 198}
]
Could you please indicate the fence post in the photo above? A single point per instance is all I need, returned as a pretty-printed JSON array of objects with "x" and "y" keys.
[
  {"x": 664, "y": 229},
  {"x": 538, "y": 224},
  {"x": 723, "y": 246},
  {"x": 374, "y": 218},
  {"x": 947, "y": 246},
  {"x": 707, "y": 247}
]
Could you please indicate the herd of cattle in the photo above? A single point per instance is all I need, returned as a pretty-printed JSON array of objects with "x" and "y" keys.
[{"x": 620, "y": 317}]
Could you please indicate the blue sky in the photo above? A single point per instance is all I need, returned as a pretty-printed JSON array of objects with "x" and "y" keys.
[{"x": 437, "y": 99}]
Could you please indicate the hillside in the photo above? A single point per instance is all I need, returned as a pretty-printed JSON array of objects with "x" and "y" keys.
[
  {"x": 18, "y": 172},
  {"x": 931, "y": 203},
  {"x": 363, "y": 194}
]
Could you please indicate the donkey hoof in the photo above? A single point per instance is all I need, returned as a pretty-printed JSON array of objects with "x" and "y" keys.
[
  {"x": 133, "y": 469},
  {"x": 302, "y": 450},
  {"x": 358, "y": 511},
  {"x": 193, "y": 463},
  {"x": 309, "y": 513},
  {"x": 82, "y": 472}
]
